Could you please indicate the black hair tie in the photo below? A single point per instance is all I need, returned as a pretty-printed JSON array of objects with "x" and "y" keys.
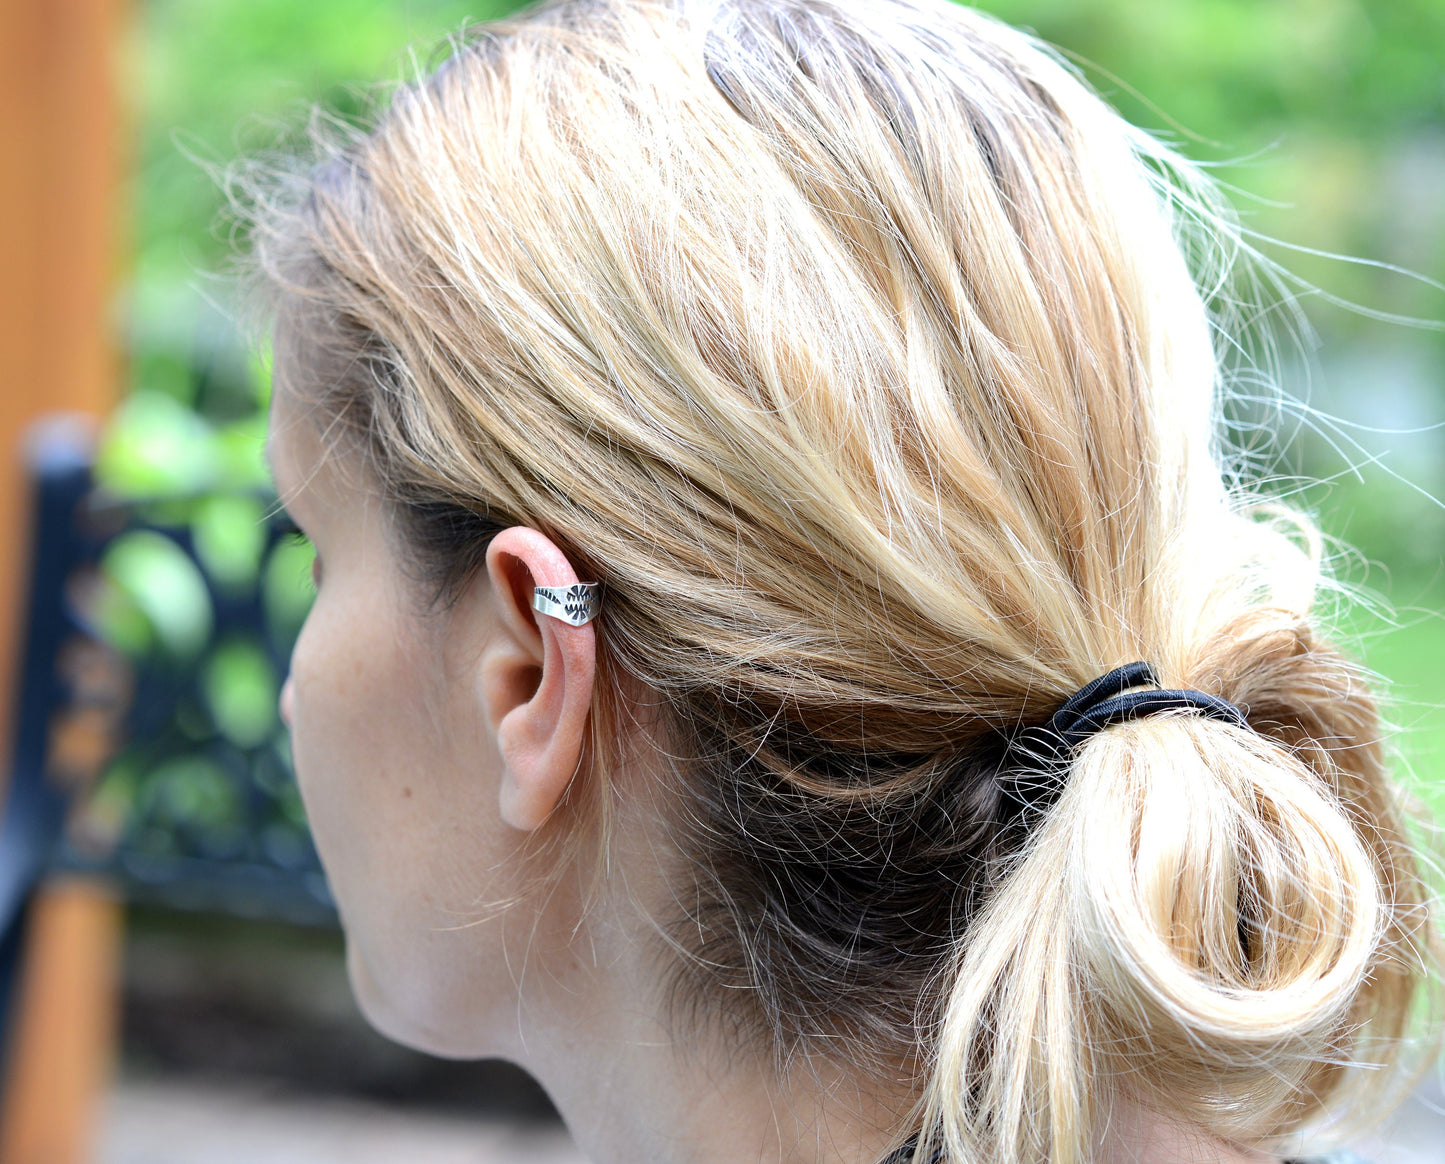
[{"x": 1110, "y": 699}]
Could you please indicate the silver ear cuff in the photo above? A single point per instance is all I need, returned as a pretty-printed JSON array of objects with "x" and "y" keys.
[{"x": 575, "y": 605}]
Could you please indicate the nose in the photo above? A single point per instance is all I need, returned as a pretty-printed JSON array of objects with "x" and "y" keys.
[{"x": 288, "y": 701}]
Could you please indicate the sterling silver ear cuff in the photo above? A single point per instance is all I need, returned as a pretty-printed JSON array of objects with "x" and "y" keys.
[{"x": 575, "y": 605}]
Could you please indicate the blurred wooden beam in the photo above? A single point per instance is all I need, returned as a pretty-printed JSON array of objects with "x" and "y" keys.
[
  {"x": 61, "y": 155},
  {"x": 61, "y": 159},
  {"x": 66, "y": 1028}
]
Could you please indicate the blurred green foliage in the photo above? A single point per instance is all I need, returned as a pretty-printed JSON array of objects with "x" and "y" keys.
[
  {"x": 1326, "y": 117},
  {"x": 1322, "y": 97},
  {"x": 158, "y": 602},
  {"x": 206, "y": 592}
]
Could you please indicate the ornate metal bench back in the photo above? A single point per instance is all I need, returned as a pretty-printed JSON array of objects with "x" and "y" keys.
[{"x": 198, "y": 810}]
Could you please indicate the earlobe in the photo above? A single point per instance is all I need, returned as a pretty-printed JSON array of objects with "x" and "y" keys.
[{"x": 536, "y": 679}]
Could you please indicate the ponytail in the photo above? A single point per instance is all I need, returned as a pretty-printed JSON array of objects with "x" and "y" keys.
[{"x": 1203, "y": 924}]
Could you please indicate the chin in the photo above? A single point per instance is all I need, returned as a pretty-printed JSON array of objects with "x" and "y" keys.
[{"x": 397, "y": 1022}]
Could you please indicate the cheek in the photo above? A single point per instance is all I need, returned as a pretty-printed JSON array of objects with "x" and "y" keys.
[
  {"x": 351, "y": 704},
  {"x": 335, "y": 741},
  {"x": 396, "y": 779}
]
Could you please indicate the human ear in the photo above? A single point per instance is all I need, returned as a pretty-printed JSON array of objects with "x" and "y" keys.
[{"x": 537, "y": 675}]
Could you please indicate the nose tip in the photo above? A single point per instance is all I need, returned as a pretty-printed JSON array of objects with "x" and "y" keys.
[{"x": 288, "y": 701}]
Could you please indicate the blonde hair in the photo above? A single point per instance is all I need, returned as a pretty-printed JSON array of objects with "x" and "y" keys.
[{"x": 854, "y": 349}]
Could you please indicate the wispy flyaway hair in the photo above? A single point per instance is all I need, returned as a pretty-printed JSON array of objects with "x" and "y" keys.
[{"x": 854, "y": 347}]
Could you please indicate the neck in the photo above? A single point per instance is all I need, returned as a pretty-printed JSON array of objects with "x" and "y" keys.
[
  {"x": 633, "y": 1088},
  {"x": 639, "y": 1081},
  {"x": 1137, "y": 1135}
]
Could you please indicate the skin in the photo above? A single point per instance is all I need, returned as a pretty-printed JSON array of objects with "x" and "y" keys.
[{"x": 433, "y": 749}]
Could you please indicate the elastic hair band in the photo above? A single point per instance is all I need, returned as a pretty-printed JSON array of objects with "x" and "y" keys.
[{"x": 1110, "y": 699}]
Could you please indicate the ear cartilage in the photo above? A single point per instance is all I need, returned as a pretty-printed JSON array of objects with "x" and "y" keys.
[{"x": 575, "y": 605}]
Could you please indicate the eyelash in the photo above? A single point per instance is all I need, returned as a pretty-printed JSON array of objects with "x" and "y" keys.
[{"x": 292, "y": 532}]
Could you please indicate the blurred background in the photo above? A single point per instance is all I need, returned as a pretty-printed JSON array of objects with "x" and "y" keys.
[{"x": 213, "y": 1019}]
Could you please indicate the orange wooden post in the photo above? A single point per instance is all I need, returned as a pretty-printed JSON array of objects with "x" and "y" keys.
[
  {"x": 61, "y": 155},
  {"x": 67, "y": 1024},
  {"x": 60, "y": 165}
]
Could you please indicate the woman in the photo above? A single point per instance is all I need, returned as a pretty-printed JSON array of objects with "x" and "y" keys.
[{"x": 792, "y": 665}]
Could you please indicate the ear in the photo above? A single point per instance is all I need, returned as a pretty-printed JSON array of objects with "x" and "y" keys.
[{"x": 536, "y": 678}]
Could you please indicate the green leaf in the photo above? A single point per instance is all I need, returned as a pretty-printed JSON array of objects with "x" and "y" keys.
[
  {"x": 229, "y": 531},
  {"x": 160, "y": 582},
  {"x": 240, "y": 688}
]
